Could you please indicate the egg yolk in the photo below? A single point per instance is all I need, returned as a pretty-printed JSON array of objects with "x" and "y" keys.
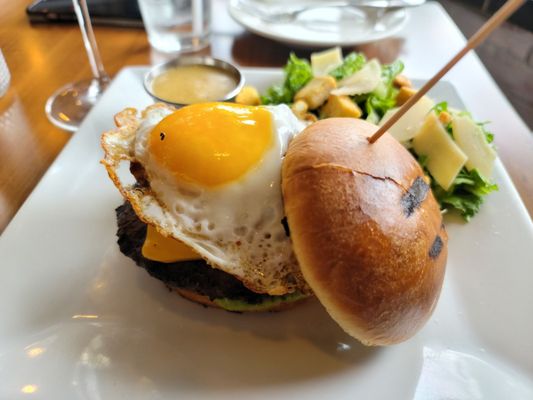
[{"x": 212, "y": 143}]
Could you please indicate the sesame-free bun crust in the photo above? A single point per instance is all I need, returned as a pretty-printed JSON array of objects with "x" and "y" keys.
[{"x": 366, "y": 229}]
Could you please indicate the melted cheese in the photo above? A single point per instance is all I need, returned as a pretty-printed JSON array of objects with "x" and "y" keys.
[{"x": 156, "y": 247}]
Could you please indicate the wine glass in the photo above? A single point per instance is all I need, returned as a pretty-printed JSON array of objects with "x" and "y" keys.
[{"x": 69, "y": 105}]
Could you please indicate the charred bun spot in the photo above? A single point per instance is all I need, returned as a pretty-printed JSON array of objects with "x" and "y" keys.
[
  {"x": 414, "y": 196},
  {"x": 436, "y": 247}
]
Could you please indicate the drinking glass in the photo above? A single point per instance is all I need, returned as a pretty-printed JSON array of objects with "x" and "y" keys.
[
  {"x": 69, "y": 105},
  {"x": 176, "y": 25}
]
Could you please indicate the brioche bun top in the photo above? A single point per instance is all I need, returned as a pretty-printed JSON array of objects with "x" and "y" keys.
[{"x": 366, "y": 229}]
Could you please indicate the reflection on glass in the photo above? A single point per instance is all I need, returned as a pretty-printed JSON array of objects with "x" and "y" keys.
[{"x": 69, "y": 105}]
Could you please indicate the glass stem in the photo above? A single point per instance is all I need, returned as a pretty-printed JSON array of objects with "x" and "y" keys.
[{"x": 82, "y": 13}]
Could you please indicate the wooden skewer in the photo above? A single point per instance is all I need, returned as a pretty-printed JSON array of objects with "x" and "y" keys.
[{"x": 496, "y": 20}]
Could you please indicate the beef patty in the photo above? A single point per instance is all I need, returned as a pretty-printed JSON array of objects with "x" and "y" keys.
[{"x": 195, "y": 275}]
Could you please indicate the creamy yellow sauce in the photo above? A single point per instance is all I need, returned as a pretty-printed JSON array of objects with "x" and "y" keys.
[{"x": 188, "y": 84}]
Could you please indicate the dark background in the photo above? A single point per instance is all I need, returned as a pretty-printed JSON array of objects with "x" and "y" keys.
[{"x": 507, "y": 53}]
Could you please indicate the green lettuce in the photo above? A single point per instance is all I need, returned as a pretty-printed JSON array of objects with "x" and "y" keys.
[
  {"x": 440, "y": 107},
  {"x": 297, "y": 74},
  {"x": 466, "y": 194},
  {"x": 443, "y": 107},
  {"x": 469, "y": 187},
  {"x": 268, "y": 302},
  {"x": 391, "y": 71},
  {"x": 383, "y": 98},
  {"x": 488, "y": 135},
  {"x": 352, "y": 63},
  {"x": 376, "y": 106}
]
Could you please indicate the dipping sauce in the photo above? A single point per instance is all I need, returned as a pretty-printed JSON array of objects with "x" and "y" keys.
[{"x": 188, "y": 84}]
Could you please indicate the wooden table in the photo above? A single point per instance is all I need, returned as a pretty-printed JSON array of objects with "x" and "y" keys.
[{"x": 42, "y": 58}]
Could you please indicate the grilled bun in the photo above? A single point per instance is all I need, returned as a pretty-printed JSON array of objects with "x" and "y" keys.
[{"x": 366, "y": 229}]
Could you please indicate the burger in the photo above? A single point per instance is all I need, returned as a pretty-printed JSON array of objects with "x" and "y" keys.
[{"x": 242, "y": 208}]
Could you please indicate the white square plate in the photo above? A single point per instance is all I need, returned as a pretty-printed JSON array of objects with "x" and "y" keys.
[{"x": 78, "y": 320}]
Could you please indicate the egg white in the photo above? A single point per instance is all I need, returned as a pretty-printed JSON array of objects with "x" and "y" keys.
[{"x": 237, "y": 226}]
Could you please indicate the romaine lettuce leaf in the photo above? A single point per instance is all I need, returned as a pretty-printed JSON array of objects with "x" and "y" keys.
[
  {"x": 390, "y": 72},
  {"x": 352, "y": 63},
  {"x": 469, "y": 187},
  {"x": 441, "y": 107},
  {"x": 377, "y": 103},
  {"x": 377, "y": 106},
  {"x": 467, "y": 193},
  {"x": 297, "y": 74},
  {"x": 488, "y": 135}
]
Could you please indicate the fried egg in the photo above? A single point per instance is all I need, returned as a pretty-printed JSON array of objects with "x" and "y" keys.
[{"x": 210, "y": 177}]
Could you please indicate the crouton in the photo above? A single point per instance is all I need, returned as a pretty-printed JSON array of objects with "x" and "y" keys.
[
  {"x": 404, "y": 94},
  {"x": 316, "y": 91},
  {"x": 248, "y": 96},
  {"x": 401, "y": 80},
  {"x": 445, "y": 117},
  {"x": 340, "y": 106},
  {"x": 310, "y": 117},
  {"x": 299, "y": 108}
]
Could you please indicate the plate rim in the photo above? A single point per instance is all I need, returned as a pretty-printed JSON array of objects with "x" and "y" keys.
[{"x": 237, "y": 15}]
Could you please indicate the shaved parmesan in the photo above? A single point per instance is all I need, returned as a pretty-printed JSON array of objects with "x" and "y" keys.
[
  {"x": 325, "y": 61},
  {"x": 407, "y": 126},
  {"x": 363, "y": 81},
  {"x": 444, "y": 158},
  {"x": 472, "y": 141}
]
